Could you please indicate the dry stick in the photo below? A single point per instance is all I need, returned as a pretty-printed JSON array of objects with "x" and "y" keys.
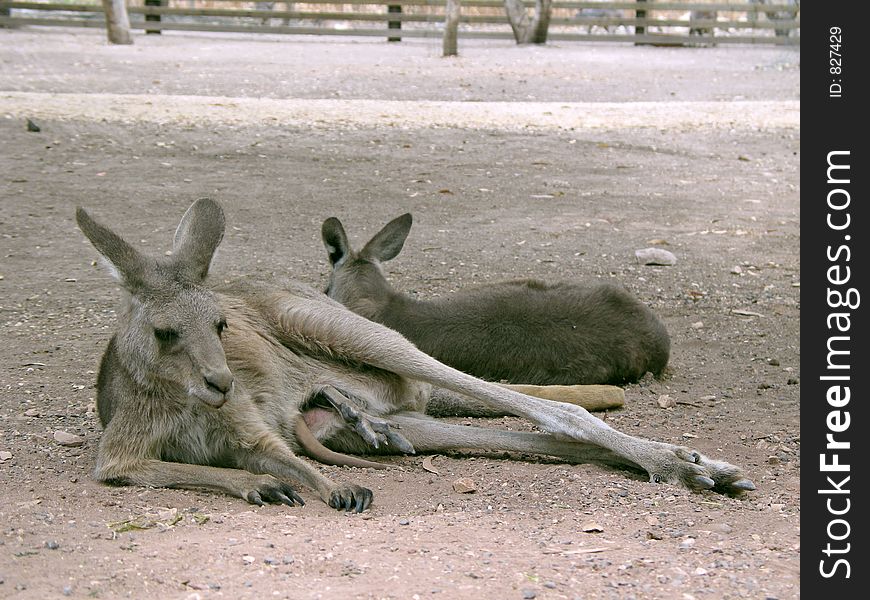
[{"x": 590, "y": 397}]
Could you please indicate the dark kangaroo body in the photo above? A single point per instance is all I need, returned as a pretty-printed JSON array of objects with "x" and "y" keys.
[
  {"x": 220, "y": 388},
  {"x": 518, "y": 331}
]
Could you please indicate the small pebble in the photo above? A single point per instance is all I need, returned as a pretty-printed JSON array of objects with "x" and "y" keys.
[
  {"x": 529, "y": 595},
  {"x": 665, "y": 401},
  {"x": 464, "y": 486},
  {"x": 720, "y": 528},
  {"x": 52, "y": 545},
  {"x": 404, "y": 522},
  {"x": 67, "y": 439},
  {"x": 655, "y": 256},
  {"x": 591, "y": 527}
]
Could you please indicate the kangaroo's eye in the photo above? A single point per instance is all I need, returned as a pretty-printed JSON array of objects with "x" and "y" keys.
[
  {"x": 166, "y": 336},
  {"x": 221, "y": 325}
]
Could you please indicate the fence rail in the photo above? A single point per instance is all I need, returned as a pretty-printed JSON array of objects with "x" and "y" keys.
[{"x": 645, "y": 22}]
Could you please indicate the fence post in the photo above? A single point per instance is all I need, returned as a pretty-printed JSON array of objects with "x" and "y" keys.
[
  {"x": 451, "y": 27},
  {"x": 640, "y": 14},
  {"x": 6, "y": 12},
  {"x": 397, "y": 9},
  {"x": 153, "y": 17},
  {"x": 117, "y": 22}
]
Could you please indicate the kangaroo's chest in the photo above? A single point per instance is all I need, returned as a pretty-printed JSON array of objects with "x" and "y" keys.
[{"x": 196, "y": 436}]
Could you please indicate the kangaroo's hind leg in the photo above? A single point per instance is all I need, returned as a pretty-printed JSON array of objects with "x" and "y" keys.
[
  {"x": 434, "y": 435},
  {"x": 325, "y": 328},
  {"x": 446, "y": 403}
]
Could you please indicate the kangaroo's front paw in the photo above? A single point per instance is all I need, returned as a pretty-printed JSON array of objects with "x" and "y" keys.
[
  {"x": 268, "y": 489},
  {"x": 687, "y": 467},
  {"x": 350, "y": 497}
]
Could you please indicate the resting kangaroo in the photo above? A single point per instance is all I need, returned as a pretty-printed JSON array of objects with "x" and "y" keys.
[
  {"x": 517, "y": 331},
  {"x": 220, "y": 388}
]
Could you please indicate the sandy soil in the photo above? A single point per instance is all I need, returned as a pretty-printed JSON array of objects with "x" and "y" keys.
[{"x": 711, "y": 174}]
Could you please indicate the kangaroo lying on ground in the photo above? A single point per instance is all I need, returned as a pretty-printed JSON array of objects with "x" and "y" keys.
[
  {"x": 220, "y": 389},
  {"x": 517, "y": 331}
]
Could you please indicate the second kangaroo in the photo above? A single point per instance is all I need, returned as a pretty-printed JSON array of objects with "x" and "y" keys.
[{"x": 522, "y": 331}]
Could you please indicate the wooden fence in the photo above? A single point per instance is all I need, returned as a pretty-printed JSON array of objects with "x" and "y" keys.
[{"x": 644, "y": 22}]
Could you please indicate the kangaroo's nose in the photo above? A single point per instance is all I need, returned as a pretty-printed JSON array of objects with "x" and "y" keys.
[{"x": 220, "y": 381}]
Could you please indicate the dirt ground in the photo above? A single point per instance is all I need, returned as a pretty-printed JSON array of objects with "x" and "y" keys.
[{"x": 503, "y": 199}]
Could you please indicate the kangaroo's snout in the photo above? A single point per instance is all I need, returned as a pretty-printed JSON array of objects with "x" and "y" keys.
[
  {"x": 218, "y": 386},
  {"x": 221, "y": 381}
]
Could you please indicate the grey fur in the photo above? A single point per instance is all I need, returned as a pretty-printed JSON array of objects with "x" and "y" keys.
[
  {"x": 186, "y": 405},
  {"x": 517, "y": 331}
]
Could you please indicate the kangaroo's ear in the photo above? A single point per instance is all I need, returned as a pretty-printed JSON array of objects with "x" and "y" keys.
[
  {"x": 388, "y": 242},
  {"x": 335, "y": 240},
  {"x": 128, "y": 265},
  {"x": 198, "y": 235}
]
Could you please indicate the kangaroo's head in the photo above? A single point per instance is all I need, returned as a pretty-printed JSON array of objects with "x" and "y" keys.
[
  {"x": 169, "y": 338},
  {"x": 357, "y": 280}
]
